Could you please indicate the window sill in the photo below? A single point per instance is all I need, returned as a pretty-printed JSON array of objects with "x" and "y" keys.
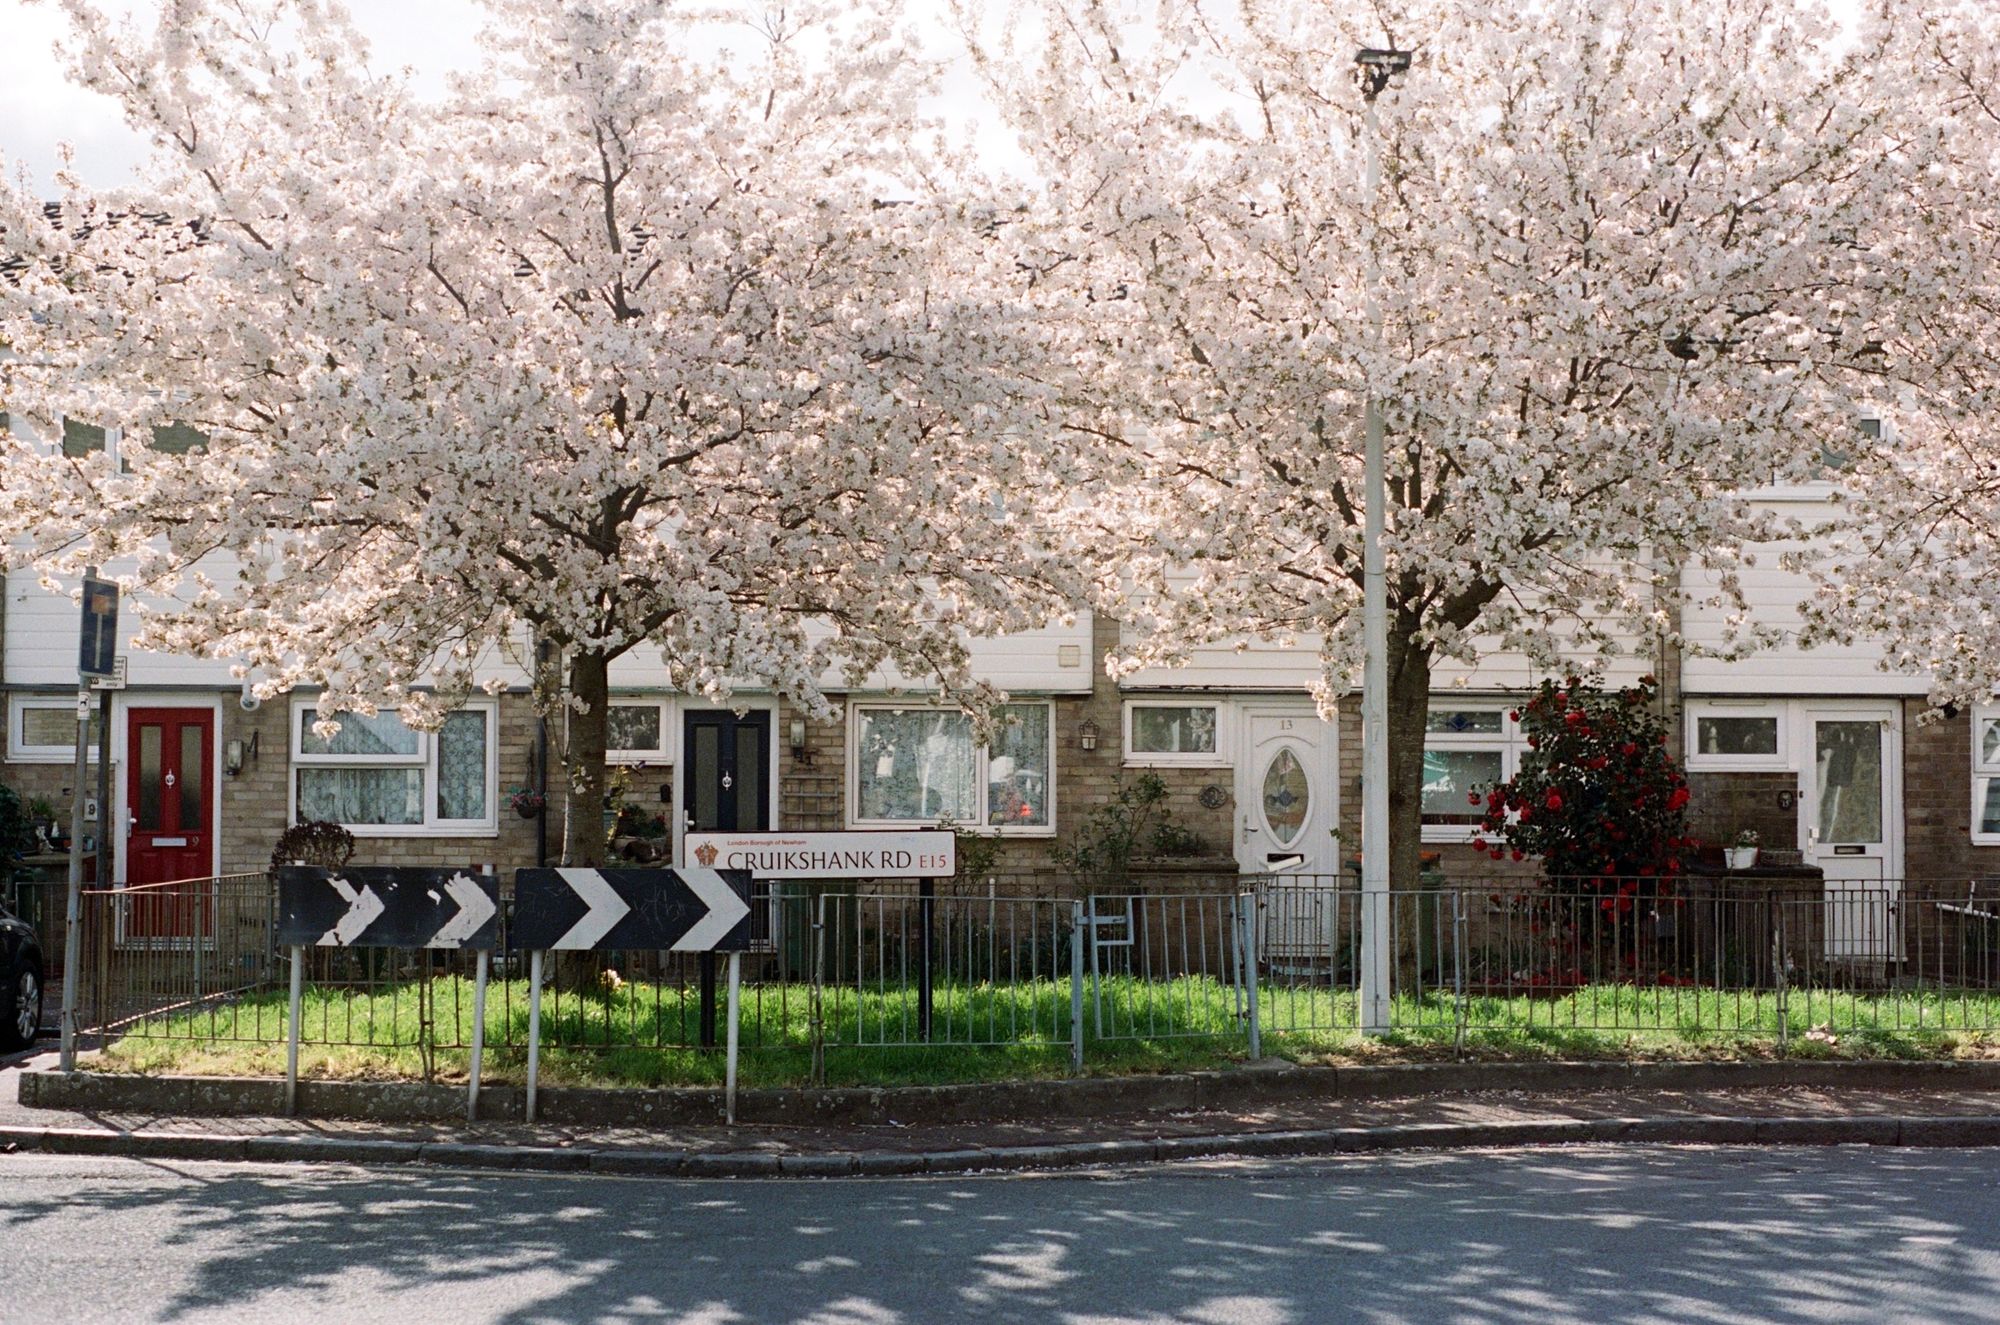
[
  {"x": 421, "y": 830},
  {"x": 931, "y": 825},
  {"x": 1210, "y": 762}
]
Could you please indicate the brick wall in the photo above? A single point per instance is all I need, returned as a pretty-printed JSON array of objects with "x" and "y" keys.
[
  {"x": 1937, "y": 795},
  {"x": 1721, "y": 804}
]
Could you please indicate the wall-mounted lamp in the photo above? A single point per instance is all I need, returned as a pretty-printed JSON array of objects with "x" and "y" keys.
[
  {"x": 235, "y": 752},
  {"x": 797, "y": 731},
  {"x": 1086, "y": 734}
]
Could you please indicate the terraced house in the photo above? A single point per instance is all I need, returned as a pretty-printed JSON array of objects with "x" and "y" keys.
[{"x": 1823, "y": 753}]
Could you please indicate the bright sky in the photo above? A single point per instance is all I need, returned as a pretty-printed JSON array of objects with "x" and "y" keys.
[{"x": 39, "y": 108}]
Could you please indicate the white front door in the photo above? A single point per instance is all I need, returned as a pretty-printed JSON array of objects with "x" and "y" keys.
[
  {"x": 1286, "y": 799},
  {"x": 1852, "y": 809}
]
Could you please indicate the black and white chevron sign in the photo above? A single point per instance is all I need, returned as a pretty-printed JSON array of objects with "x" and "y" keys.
[
  {"x": 680, "y": 910},
  {"x": 387, "y": 906}
]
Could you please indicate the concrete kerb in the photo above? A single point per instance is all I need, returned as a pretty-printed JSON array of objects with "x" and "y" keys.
[
  {"x": 1256, "y": 1084},
  {"x": 1966, "y": 1131}
]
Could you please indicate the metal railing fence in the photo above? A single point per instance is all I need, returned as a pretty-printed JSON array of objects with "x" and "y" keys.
[{"x": 1018, "y": 962}]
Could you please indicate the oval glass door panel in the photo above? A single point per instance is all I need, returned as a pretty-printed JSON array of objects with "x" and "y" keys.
[{"x": 1287, "y": 797}]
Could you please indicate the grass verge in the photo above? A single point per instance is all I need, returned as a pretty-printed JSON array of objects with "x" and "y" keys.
[{"x": 643, "y": 1034}]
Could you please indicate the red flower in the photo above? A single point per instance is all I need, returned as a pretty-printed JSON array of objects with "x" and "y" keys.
[
  {"x": 1519, "y": 854},
  {"x": 1513, "y": 715},
  {"x": 1678, "y": 799},
  {"x": 1472, "y": 798},
  {"x": 1628, "y": 749},
  {"x": 1479, "y": 844},
  {"x": 1554, "y": 801}
]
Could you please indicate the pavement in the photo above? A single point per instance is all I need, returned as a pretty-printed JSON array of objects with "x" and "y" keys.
[{"x": 1790, "y": 1115}]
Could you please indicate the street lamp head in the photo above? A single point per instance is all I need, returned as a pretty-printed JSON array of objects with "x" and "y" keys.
[{"x": 1375, "y": 66}]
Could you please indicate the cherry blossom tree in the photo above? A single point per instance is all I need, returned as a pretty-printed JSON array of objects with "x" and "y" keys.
[
  {"x": 1628, "y": 261},
  {"x": 660, "y": 329}
]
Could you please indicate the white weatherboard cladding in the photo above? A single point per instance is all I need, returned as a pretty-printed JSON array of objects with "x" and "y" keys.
[
  {"x": 1261, "y": 665},
  {"x": 1773, "y": 595},
  {"x": 1028, "y": 662},
  {"x": 41, "y": 639}
]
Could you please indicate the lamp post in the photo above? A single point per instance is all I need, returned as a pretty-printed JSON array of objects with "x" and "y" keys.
[{"x": 1375, "y": 67}]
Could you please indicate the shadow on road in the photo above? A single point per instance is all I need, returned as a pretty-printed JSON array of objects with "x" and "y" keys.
[{"x": 1600, "y": 1235}]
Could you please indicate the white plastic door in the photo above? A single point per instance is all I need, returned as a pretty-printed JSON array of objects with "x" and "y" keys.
[
  {"x": 1853, "y": 824},
  {"x": 1286, "y": 800}
]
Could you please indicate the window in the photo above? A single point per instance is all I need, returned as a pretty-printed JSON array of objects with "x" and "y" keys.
[
  {"x": 1743, "y": 737},
  {"x": 1986, "y": 776},
  {"x": 43, "y": 730},
  {"x": 381, "y": 778},
  {"x": 1162, "y": 732},
  {"x": 1468, "y": 750},
  {"x": 919, "y": 765},
  {"x": 637, "y": 731}
]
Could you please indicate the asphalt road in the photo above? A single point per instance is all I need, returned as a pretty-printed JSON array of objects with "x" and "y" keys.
[{"x": 1597, "y": 1235}]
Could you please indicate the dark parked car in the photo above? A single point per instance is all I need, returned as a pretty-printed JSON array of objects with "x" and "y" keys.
[{"x": 21, "y": 994}]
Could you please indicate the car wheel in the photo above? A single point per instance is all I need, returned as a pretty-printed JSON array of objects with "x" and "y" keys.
[{"x": 21, "y": 1011}]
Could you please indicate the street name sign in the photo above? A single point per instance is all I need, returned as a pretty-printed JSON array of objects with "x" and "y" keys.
[
  {"x": 919, "y": 854},
  {"x": 388, "y": 907},
  {"x": 650, "y": 910}
]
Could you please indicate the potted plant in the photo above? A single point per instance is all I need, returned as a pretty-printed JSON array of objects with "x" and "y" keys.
[{"x": 1743, "y": 855}]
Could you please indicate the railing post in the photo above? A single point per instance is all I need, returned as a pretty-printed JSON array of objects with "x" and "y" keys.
[
  {"x": 1097, "y": 975},
  {"x": 534, "y": 1028},
  {"x": 1778, "y": 974},
  {"x": 926, "y": 919},
  {"x": 818, "y": 991},
  {"x": 1248, "y": 911},
  {"x": 1458, "y": 931},
  {"x": 1076, "y": 988},
  {"x": 732, "y": 1039},
  {"x": 478, "y": 1035},
  {"x": 292, "y": 1032}
]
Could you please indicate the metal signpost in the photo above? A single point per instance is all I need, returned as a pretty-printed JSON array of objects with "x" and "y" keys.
[
  {"x": 97, "y": 656},
  {"x": 387, "y": 907},
  {"x": 610, "y": 910}
]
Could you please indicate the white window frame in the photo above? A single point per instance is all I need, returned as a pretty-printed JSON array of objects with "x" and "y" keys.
[
  {"x": 663, "y": 756},
  {"x": 20, "y": 752},
  {"x": 425, "y": 758},
  {"x": 1822, "y": 489},
  {"x": 1217, "y": 758},
  {"x": 980, "y": 758},
  {"x": 1983, "y": 772},
  {"x": 1508, "y": 740},
  {"x": 1778, "y": 761}
]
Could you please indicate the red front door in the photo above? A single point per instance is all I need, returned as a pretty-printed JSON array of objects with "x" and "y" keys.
[{"x": 171, "y": 790}]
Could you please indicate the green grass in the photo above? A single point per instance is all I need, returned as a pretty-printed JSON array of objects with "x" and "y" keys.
[{"x": 630, "y": 1036}]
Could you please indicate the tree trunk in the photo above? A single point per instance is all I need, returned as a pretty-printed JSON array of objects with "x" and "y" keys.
[
  {"x": 583, "y": 787},
  {"x": 1409, "y": 705}
]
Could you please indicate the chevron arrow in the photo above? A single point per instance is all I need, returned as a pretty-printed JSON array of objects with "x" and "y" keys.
[
  {"x": 475, "y": 908},
  {"x": 725, "y": 910},
  {"x": 363, "y": 909},
  {"x": 644, "y": 910},
  {"x": 607, "y": 908}
]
